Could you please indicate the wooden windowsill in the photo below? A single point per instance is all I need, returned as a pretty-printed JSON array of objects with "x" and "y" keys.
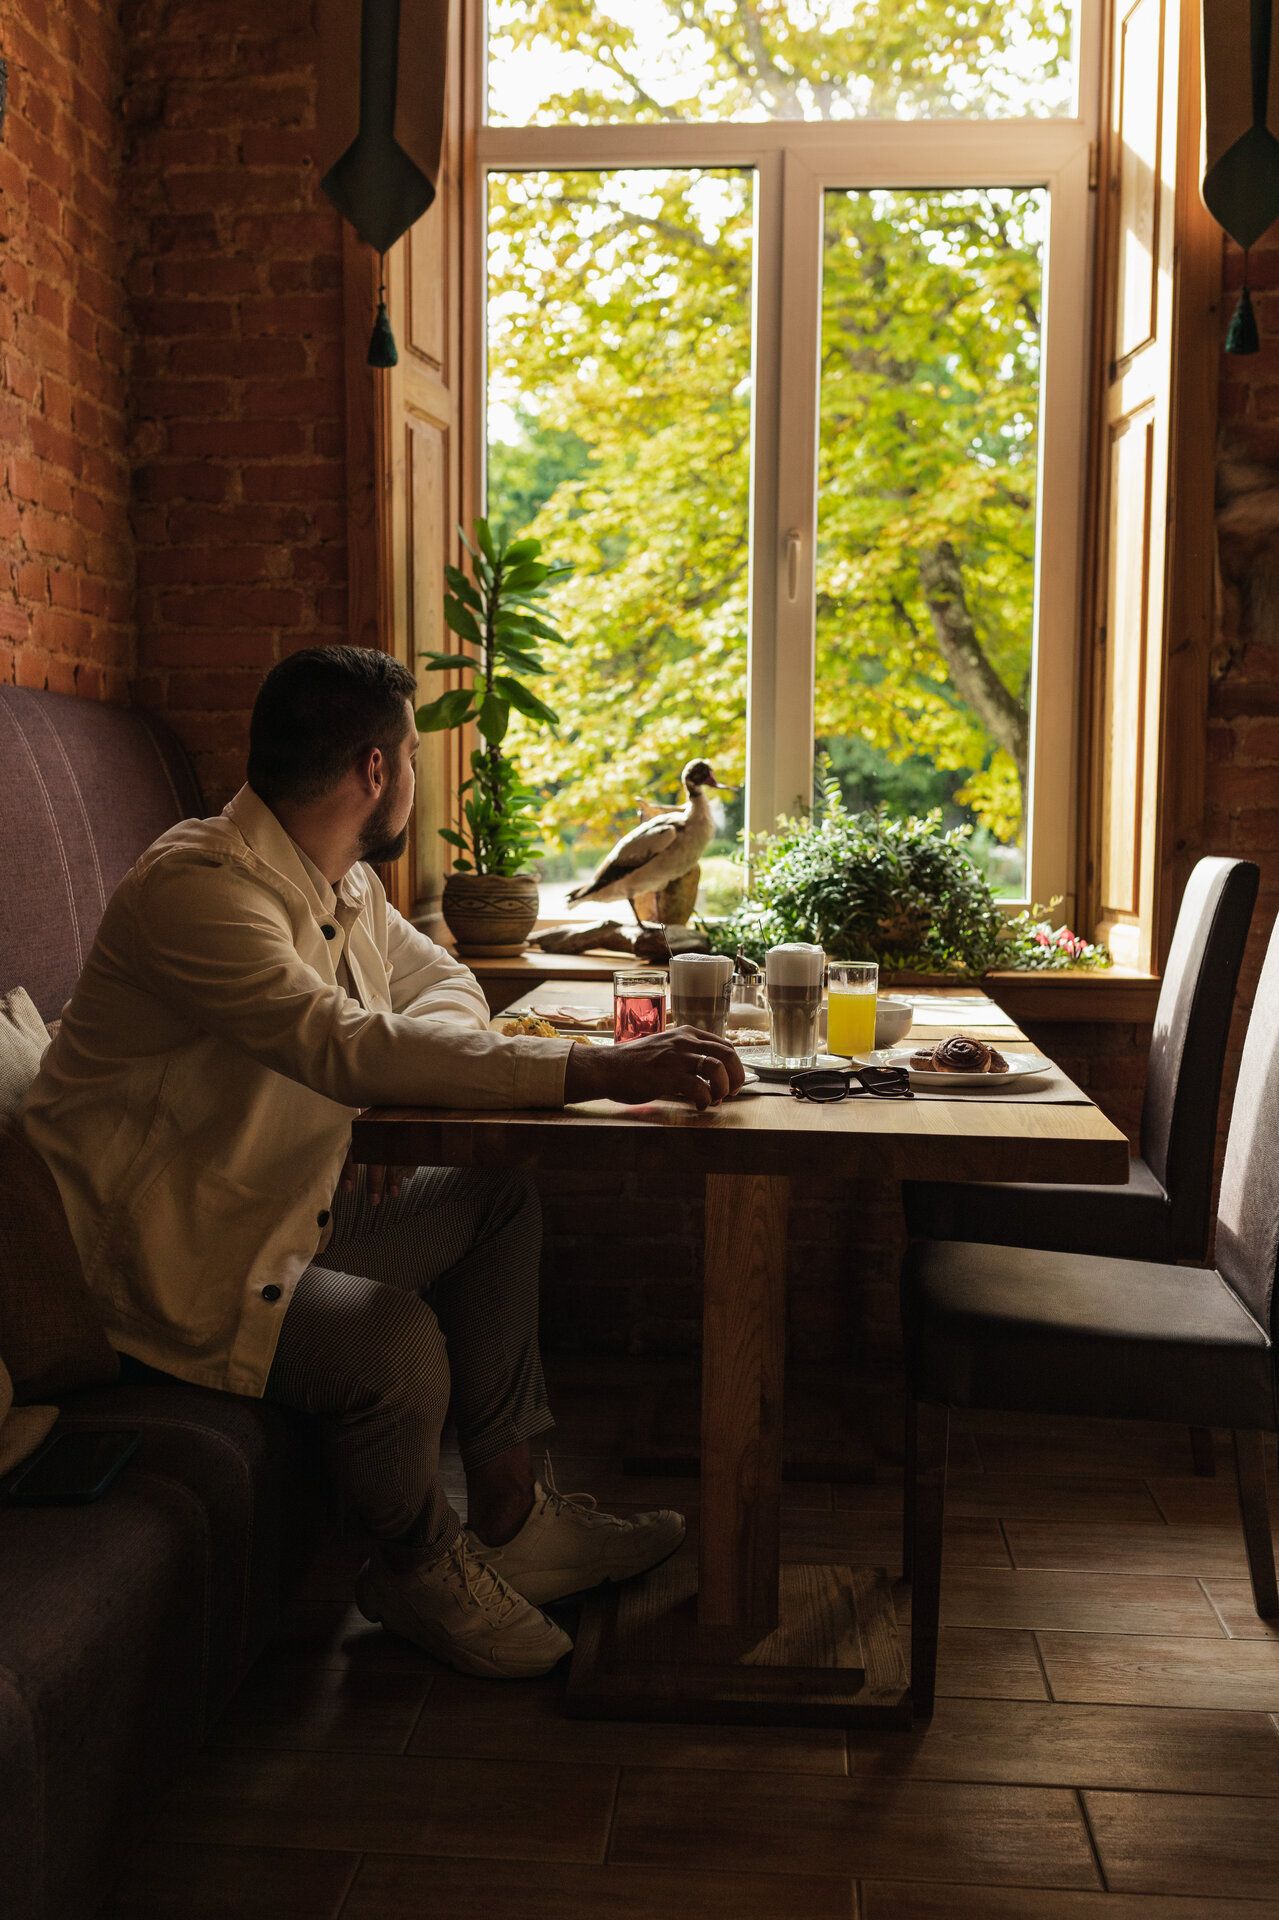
[{"x": 1119, "y": 995}]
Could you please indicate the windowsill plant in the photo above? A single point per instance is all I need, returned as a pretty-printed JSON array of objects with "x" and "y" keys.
[
  {"x": 501, "y": 622},
  {"x": 903, "y": 892}
]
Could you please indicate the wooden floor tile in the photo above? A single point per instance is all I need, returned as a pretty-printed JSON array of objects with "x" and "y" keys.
[
  {"x": 1080, "y": 1498},
  {"x": 989, "y": 1663},
  {"x": 1033, "y": 1443},
  {"x": 872, "y": 1537},
  {"x": 1204, "y": 1502},
  {"x": 353, "y": 1709},
  {"x": 167, "y": 1882},
  {"x": 527, "y": 1721},
  {"x": 1053, "y": 1601},
  {"x": 1040, "y": 1743},
  {"x": 776, "y": 1823},
  {"x": 1105, "y": 1549},
  {"x": 1186, "y": 1843},
  {"x": 1161, "y": 1671},
  {"x": 883, "y": 1901},
  {"x": 388, "y": 1888},
  {"x": 493, "y": 1809},
  {"x": 1233, "y": 1601}
]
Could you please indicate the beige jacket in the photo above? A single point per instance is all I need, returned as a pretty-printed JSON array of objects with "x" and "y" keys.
[{"x": 195, "y": 1106}]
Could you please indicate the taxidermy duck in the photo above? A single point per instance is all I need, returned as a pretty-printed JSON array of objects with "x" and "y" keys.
[{"x": 659, "y": 850}]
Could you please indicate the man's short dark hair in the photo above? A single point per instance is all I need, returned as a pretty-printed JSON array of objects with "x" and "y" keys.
[{"x": 318, "y": 712}]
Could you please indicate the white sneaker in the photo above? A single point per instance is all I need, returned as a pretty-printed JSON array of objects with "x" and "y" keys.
[
  {"x": 567, "y": 1545},
  {"x": 464, "y": 1613}
]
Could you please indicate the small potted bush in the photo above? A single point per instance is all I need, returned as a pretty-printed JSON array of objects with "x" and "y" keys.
[
  {"x": 906, "y": 893},
  {"x": 500, "y": 619}
]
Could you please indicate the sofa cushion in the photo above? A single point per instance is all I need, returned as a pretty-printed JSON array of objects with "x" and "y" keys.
[
  {"x": 243, "y": 1463},
  {"x": 23, "y": 1039},
  {"x": 103, "y": 1624},
  {"x": 51, "y": 1333},
  {"x": 84, "y": 789}
]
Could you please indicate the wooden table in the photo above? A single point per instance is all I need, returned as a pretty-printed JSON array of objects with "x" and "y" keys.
[{"x": 733, "y": 1634}]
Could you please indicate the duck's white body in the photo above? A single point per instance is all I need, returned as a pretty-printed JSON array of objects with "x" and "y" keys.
[{"x": 659, "y": 850}]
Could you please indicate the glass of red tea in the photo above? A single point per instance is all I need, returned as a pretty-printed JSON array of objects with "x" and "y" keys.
[{"x": 639, "y": 1003}]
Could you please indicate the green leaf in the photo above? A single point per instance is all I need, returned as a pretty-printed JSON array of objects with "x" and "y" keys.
[
  {"x": 525, "y": 702},
  {"x": 462, "y": 621},
  {"x": 518, "y": 550},
  {"x": 450, "y": 710},
  {"x": 522, "y": 662},
  {"x": 454, "y": 839},
  {"x": 441, "y": 660},
  {"x": 526, "y": 575},
  {"x": 495, "y": 718},
  {"x": 483, "y": 533},
  {"x": 462, "y": 587}
]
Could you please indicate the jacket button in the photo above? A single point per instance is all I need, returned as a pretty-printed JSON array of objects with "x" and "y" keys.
[
  {"x": 322, "y": 1217},
  {"x": 271, "y": 1293},
  {"x": 330, "y": 933}
]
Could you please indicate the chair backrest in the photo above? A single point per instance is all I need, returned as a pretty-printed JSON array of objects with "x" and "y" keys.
[
  {"x": 1248, "y": 1215},
  {"x": 84, "y": 789},
  {"x": 1188, "y": 1047}
]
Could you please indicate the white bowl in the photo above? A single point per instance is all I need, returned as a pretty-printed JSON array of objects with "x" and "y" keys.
[{"x": 892, "y": 1021}]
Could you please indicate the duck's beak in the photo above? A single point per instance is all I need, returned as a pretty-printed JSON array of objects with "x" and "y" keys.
[{"x": 722, "y": 785}]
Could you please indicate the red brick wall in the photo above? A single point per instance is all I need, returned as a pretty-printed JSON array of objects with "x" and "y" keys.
[
  {"x": 66, "y": 563},
  {"x": 1242, "y": 813},
  {"x": 237, "y": 398}
]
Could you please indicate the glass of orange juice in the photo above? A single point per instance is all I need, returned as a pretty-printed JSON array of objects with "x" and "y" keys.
[{"x": 850, "y": 1018}]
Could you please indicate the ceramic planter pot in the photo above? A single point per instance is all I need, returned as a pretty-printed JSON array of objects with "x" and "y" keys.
[{"x": 490, "y": 915}]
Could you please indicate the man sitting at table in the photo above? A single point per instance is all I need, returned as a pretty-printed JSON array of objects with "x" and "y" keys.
[{"x": 249, "y": 990}]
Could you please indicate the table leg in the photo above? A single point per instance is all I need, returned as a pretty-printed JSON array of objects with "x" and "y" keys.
[
  {"x": 745, "y": 1638},
  {"x": 743, "y": 1355}
]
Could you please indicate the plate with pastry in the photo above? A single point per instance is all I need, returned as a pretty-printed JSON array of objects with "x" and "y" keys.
[{"x": 964, "y": 1060}]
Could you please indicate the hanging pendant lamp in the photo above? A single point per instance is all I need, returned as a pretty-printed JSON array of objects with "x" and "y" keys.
[
  {"x": 1241, "y": 89},
  {"x": 380, "y": 123}
]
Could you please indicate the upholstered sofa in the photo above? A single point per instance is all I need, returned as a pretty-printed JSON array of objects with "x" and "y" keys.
[{"x": 124, "y": 1625}]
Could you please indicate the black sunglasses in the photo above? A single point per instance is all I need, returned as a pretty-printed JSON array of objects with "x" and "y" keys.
[{"x": 825, "y": 1084}]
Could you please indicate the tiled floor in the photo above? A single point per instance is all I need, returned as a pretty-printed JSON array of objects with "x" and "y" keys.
[{"x": 1105, "y": 1743}]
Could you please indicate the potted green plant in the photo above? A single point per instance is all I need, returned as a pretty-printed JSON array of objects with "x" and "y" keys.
[
  {"x": 500, "y": 618},
  {"x": 906, "y": 893}
]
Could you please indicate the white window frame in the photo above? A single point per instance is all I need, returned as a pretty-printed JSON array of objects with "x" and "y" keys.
[{"x": 795, "y": 162}]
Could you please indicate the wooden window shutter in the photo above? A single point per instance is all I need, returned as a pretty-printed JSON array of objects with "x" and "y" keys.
[
  {"x": 405, "y": 479},
  {"x": 1150, "y": 570}
]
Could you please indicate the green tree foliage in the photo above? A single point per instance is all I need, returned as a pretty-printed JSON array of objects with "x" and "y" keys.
[{"x": 620, "y": 362}]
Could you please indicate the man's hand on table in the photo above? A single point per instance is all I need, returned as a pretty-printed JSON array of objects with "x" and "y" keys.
[{"x": 680, "y": 1064}]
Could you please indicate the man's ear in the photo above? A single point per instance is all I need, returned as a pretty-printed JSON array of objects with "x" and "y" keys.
[{"x": 371, "y": 771}]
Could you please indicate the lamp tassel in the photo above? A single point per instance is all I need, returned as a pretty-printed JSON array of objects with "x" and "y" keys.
[
  {"x": 1242, "y": 335},
  {"x": 383, "y": 351}
]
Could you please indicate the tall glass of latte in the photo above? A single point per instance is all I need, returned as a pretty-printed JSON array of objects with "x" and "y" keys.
[
  {"x": 795, "y": 977},
  {"x": 701, "y": 988}
]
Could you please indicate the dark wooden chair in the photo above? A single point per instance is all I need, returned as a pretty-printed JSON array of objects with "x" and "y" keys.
[
  {"x": 1163, "y": 1212},
  {"x": 1043, "y": 1331}
]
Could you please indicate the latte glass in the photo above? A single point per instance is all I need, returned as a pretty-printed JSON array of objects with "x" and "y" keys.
[
  {"x": 795, "y": 974},
  {"x": 701, "y": 987}
]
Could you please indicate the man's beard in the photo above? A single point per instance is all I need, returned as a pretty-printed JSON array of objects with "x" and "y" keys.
[{"x": 378, "y": 846}]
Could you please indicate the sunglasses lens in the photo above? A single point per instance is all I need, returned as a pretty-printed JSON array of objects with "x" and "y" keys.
[{"x": 820, "y": 1086}]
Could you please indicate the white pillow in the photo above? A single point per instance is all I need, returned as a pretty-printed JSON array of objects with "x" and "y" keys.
[
  {"x": 23, "y": 1039},
  {"x": 21, "y": 1428}
]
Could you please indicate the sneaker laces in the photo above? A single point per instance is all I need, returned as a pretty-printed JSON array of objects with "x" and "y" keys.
[
  {"x": 480, "y": 1583},
  {"x": 582, "y": 1507}
]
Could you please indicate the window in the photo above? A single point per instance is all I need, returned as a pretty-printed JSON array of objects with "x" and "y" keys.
[{"x": 785, "y": 338}]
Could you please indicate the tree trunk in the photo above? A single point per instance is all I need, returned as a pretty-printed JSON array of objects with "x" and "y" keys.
[{"x": 1002, "y": 714}]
